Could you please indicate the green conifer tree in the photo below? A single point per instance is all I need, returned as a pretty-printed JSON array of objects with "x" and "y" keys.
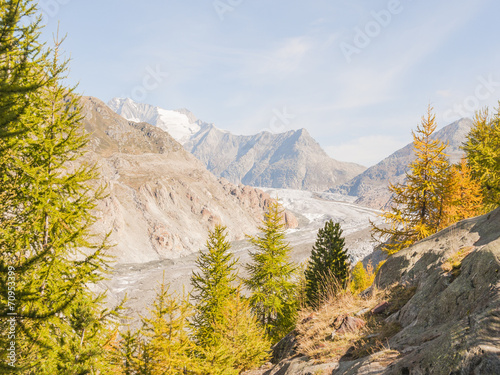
[
  {"x": 239, "y": 343},
  {"x": 212, "y": 285},
  {"x": 22, "y": 60},
  {"x": 271, "y": 277},
  {"x": 45, "y": 234},
  {"x": 166, "y": 334},
  {"x": 482, "y": 149},
  {"x": 329, "y": 264},
  {"x": 125, "y": 353}
]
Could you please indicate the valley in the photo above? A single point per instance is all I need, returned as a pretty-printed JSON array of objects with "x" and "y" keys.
[
  {"x": 238, "y": 198},
  {"x": 290, "y": 167},
  {"x": 139, "y": 280}
]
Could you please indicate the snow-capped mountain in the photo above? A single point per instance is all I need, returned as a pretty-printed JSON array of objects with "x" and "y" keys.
[
  {"x": 180, "y": 124},
  {"x": 292, "y": 160},
  {"x": 161, "y": 200}
]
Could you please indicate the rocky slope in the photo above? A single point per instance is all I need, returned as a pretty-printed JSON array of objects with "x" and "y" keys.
[
  {"x": 371, "y": 186},
  {"x": 451, "y": 322},
  {"x": 162, "y": 200},
  {"x": 291, "y": 160},
  {"x": 310, "y": 210}
]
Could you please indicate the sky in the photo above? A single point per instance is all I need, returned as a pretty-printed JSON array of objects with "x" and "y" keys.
[{"x": 358, "y": 75}]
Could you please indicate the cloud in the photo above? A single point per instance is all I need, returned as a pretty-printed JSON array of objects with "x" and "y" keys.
[
  {"x": 444, "y": 93},
  {"x": 292, "y": 48},
  {"x": 367, "y": 150},
  {"x": 281, "y": 59}
]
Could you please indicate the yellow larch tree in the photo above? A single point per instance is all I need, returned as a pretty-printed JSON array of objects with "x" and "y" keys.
[
  {"x": 482, "y": 150},
  {"x": 417, "y": 204},
  {"x": 465, "y": 198}
]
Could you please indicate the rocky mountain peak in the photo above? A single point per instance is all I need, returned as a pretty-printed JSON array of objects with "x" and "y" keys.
[
  {"x": 292, "y": 159},
  {"x": 180, "y": 124},
  {"x": 284, "y": 160},
  {"x": 162, "y": 201}
]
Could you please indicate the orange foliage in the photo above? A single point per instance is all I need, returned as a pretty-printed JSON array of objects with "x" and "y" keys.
[{"x": 464, "y": 198}]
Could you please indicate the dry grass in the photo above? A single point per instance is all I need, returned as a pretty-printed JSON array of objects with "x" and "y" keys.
[
  {"x": 315, "y": 327},
  {"x": 454, "y": 263},
  {"x": 386, "y": 356}
]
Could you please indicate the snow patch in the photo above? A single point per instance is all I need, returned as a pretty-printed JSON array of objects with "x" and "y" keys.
[{"x": 175, "y": 123}]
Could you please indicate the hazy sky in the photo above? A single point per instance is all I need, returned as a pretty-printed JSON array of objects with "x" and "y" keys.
[{"x": 357, "y": 74}]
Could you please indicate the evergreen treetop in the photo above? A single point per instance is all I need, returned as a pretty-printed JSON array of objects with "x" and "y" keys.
[
  {"x": 213, "y": 284},
  {"x": 328, "y": 267},
  {"x": 271, "y": 276}
]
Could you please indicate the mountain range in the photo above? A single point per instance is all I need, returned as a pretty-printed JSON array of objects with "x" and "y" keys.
[
  {"x": 161, "y": 200},
  {"x": 292, "y": 160}
]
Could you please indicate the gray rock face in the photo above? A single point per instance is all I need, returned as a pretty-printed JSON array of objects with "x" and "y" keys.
[
  {"x": 451, "y": 325},
  {"x": 371, "y": 186},
  {"x": 162, "y": 201},
  {"x": 291, "y": 160}
]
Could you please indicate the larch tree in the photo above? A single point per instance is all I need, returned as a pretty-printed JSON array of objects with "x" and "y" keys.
[
  {"x": 465, "y": 197},
  {"x": 361, "y": 278},
  {"x": 22, "y": 59},
  {"x": 213, "y": 284},
  {"x": 417, "y": 204},
  {"x": 271, "y": 276},
  {"x": 49, "y": 257},
  {"x": 240, "y": 342},
  {"x": 482, "y": 150},
  {"x": 328, "y": 267},
  {"x": 227, "y": 336},
  {"x": 166, "y": 334},
  {"x": 126, "y": 353},
  {"x": 22, "y": 62}
]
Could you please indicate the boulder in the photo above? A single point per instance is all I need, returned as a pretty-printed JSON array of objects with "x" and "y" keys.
[{"x": 350, "y": 324}]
